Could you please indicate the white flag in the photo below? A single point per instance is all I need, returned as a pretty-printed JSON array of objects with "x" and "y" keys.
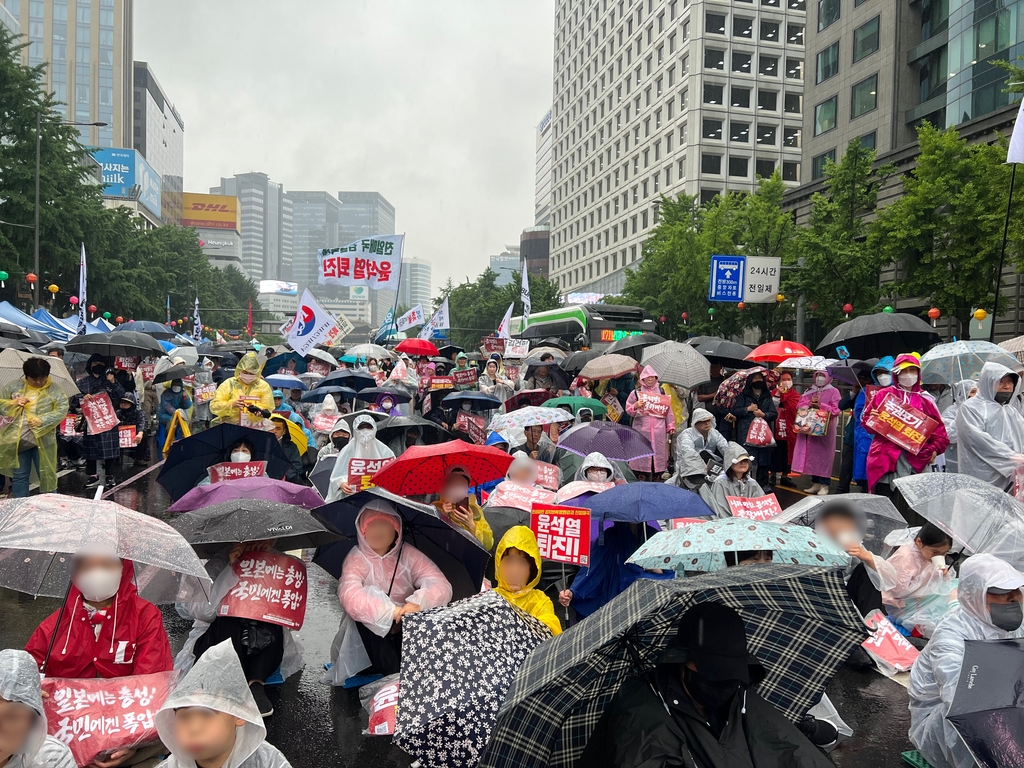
[
  {"x": 413, "y": 317},
  {"x": 197, "y": 324},
  {"x": 506, "y": 322},
  {"x": 82, "y": 302},
  {"x": 524, "y": 292},
  {"x": 1015, "y": 154},
  {"x": 374, "y": 261},
  {"x": 438, "y": 322},
  {"x": 313, "y": 325}
]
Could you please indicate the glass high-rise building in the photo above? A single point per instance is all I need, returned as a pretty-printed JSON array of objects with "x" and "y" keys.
[
  {"x": 314, "y": 226},
  {"x": 416, "y": 286},
  {"x": 266, "y": 224},
  {"x": 159, "y": 134}
]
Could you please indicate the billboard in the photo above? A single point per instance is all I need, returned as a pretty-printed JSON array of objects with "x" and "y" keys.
[
  {"x": 209, "y": 211},
  {"x": 280, "y": 287},
  {"x": 124, "y": 169}
]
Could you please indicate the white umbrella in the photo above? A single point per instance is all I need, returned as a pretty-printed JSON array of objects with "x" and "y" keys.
[
  {"x": 529, "y": 416},
  {"x": 813, "y": 363},
  {"x": 366, "y": 351},
  {"x": 11, "y": 361}
]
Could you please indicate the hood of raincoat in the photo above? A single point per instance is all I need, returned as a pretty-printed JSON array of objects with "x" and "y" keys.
[
  {"x": 814, "y": 387},
  {"x": 734, "y": 453},
  {"x": 378, "y": 508},
  {"x": 518, "y": 537},
  {"x": 593, "y": 461},
  {"x": 248, "y": 363},
  {"x": 905, "y": 361},
  {"x": 216, "y": 681},
  {"x": 19, "y": 681},
  {"x": 989, "y": 434},
  {"x": 341, "y": 423},
  {"x": 647, "y": 373},
  {"x": 882, "y": 366},
  {"x": 93, "y": 359},
  {"x": 130, "y": 397},
  {"x": 702, "y": 414},
  {"x": 978, "y": 575},
  {"x": 580, "y": 412},
  {"x": 329, "y": 405},
  {"x": 962, "y": 390},
  {"x": 519, "y": 461},
  {"x": 496, "y": 438},
  {"x": 277, "y": 393},
  {"x": 462, "y": 360},
  {"x": 988, "y": 381},
  {"x": 358, "y": 421}
]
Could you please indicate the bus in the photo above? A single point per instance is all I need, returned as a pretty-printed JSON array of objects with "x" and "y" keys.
[{"x": 595, "y": 326}]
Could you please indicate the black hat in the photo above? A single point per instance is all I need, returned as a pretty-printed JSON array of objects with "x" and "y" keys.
[{"x": 713, "y": 637}]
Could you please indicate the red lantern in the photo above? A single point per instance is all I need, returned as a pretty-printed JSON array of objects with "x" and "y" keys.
[
  {"x": 174, "y": 323},
  {"x": 31, "y": 278},
  {"x": 663, "y": 318},
  {"x": 119, "y": 319},
  {"x": 934, "y": 314},
  {"x": 741, "y": 305},
  {"x": 686, "y": 316},
  {"x": 847, "y": 308}
]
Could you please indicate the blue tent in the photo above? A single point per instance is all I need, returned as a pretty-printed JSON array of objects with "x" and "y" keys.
[
  {"x": 12, "y": 314},
  {"x": 102, "y": 324},
  {"x": 68, "y": 325}
]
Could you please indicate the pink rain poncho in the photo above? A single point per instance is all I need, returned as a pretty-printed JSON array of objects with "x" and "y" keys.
[
  {"x": 365, "y": 595},
  {"x": 654, "y": 428},
  {"x": 814, "y": 455},
  {"x": 922, "y": 593}
]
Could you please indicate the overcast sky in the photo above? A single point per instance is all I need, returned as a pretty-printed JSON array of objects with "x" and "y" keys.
[{"x": 432, "y": 103}]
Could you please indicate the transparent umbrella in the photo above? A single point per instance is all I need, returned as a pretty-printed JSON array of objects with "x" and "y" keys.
[{"x": 877, "y": 516}]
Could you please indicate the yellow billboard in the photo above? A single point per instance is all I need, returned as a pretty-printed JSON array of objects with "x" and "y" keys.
[{"x": 209, "y": 211}]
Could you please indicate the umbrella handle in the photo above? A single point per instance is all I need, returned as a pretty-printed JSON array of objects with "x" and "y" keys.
[
  {"x": 565, "y": 581},
  {"x": 397, "y": 561},
  {"x": 56, "y": 629}
]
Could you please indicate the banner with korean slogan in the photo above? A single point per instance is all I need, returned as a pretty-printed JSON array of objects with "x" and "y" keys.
[
  {"x": 758, "y": 508},
  {"x": 892, "y": 652},
  {"x": 901, "y": 423},
  {"x": 508, "y": 494},
  {"x": 465, "y": 378},
  {"x": 411, "y": 318},
  {"x": 126, "y": 435},
  {"x": 563, "y": 533},
  {"x": 99, "y": 413},
  {"x": 372, "y": 261},
  {"x": 361, "y": 471},
  {"x": 548, "y": 475},
  {"x": 96, "y": 717},
  {"x": 313, "y": 325},
  {"x": 438, "y": 322},
  {"x": 655, "y": 405},
  {"x": 271, "y": 587},
  {"x": 236, "y": 470}
]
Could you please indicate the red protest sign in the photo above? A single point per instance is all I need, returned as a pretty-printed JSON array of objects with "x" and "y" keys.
[
  {"x": 466, "y": 377},
  {"x": 509, "y": 494},
  {"x": 887, "y": 646},
  {"x": 511, "y": 372},
  {"x": 517, "y": 348},
  {"x": 611, "y": 402},
  {"x": 384, "y": 710},
  {"x": 579, "y": 487},
  {"x": 759, "y": 435},
  {"x": 493, "y": 344},
  {"x": 473, "y": 426},
  {"x": 236, "y": 470},
  {"x": 126, "y": 435},
  {"x": 655, "y": 405},
  {"x": 682, "y": 522},
  {"x": 758, "y": 508},
  {"x": 361, "y": 471},
  {"x": 148, "y": 372},
  {"x": 324, "y": 422},
  {"x": 99, "y": 413},
  {"x": 563, "y": 533},
  {"x": 424, "y": 369},
  {"x": 271, "y": 587},
  {"x": 318, "y": 367},
  {"x": 204, "y": 392},
  {"x": 901, "y": 423},
  {"x": 67, "y": 426},
  {"x": 126, "y": 363},
  {"x": 547, "y": 475},
  {"x": 442, "y": 382},
  {"x": 96, "y": 717}
]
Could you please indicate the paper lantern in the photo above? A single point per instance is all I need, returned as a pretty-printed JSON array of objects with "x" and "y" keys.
[
  {"x": 934, "y": 314},
  {"x": 663, "y": 318},
  {"x": 847, "y": 308},
  {"x": 741, "y": 305},
  {"x": 980, "y": 315},
  {"x": 31, "y": 278},
  {"x": 3, "y": 279},
  {"x": 888, "y": 310},
  {"x": 711, "y": 311},
  {"x": 174, "y": 323},
  {"x": 73, "y": 301},
  {"x": 119, "y": 319},
  {"x": 780, "y": 298},
  {"x": 52, "y": 288},
  {"x": 106, "y": 315},
  {"x": 686, "y": 315}
]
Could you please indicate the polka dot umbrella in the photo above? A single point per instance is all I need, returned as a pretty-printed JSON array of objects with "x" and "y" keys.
[{"x": 421, "y": 469}]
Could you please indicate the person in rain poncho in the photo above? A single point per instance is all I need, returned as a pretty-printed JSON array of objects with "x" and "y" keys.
[
  {"x": 338, "y": 438},
  {"x": 923, "y": 586},
  {"x": 105, "y": 446},
  {"x": 886, "y": 460},
  {"x": 246, "y": 387},
  {"x": 36, "y": 407},
  {"x": 407, "y": 438},
  {"x": 735, "y": 480},
  {"x": 990, "y": 430},
  {"x": 962, "y": 392},
  {"x": 210, "y": 718},
  {"x": 203, "y": 377},
  {"x": 458, "y": 506},
  {"x": 495, "y": 382},
  {"x": 23, "y": 739},
  {"x": 325, "y": 412},
  {"x": 364, "y": 446},
  {"x": 814, "y": 455},
  {"x": 386, "y": 404},
  {"x": 699, "y": 707},
  {"x": 597, "y": 469},
  {"x": 785, "y": 399},
  {"x": 382, "y": 580},
  {"x": 881, "y": 375},
  {"x": 462, "y": 364},
  {"x": 989, "y": 609},
  {"x": 537, "y": 445},
  {"x": 518, "y": 569},
  {"x": 130, "y": 415},
  {"x": 656, "y": 428},
  {"x": 173, "y": 400},
  {"x": 696, "y": 447}
]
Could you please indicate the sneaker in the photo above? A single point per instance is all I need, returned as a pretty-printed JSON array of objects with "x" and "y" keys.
[
  {"x": 93, "y": 481},
  {"x": 815, "y": 488},
  {"x": 821, "y": 733},
  {"x": 262, "y": 702},
  {"x": 785, "y": 482},
  {"x": 823, "y": 491}
]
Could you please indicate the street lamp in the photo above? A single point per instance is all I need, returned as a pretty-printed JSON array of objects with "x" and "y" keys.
[{"x": 39, "y": 142}]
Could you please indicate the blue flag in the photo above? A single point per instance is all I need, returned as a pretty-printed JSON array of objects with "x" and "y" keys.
[{"x": 387, "y": 328}]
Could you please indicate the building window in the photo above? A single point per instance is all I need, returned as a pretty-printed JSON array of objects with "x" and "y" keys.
[
  {"x": 790, "y": 171},
  {"x": 868, "y": 140},
  {"x": 714, "y": 59},
  {"x": 793, "y": 104},
  {"x": 828, "y": 13},
  {"x": 741, "y": 62},
  {"x": 795, "y": 69},
  {"x": 828, "y": 63},
  {"x": 791, "y": 137},
  {"x": 766, "y": 135},
  {"x": 768, "y": 66},
  {"x": 714, "y": 23},
  {"x": 865, "y": 40},
  {"x": 712, "y": 129},
  {"x": 797, "y": 5},
  {"x": 770, "y": 31},
  {"x": 858, "y": 3},
  {"x": 711, "y": 164},
  {"x": 739, "y": 166},
  {"x": 742, "y": 27},
  {"x": 739, "y": 132},
  {"x": 818, "y": 164},
  {"x": 795, "y": 33},
  {"x": 767, "y": 101},
  {"x": 864, "y": 97},
  {"x": 764, "y": 168},
  {"x": 714, "y": 94},
  {"x": 708, "y": 195},
  {"x": 825, "y": 116},
  {"x": 740, "y": 97}
]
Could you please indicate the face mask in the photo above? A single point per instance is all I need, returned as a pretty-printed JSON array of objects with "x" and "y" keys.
[
  {"x": 99, "y": 584},
  {"x": 467, "y": 407},
  {"x": 756, "y": 385},
  {"x": 339, "y": 442},
  {"x": 247, "y": 378},
  {"x": 785, "y": 385},
  {"x": 240, "y": 456},
  {"x": 1003, "y": 397},
  {"x": 884, "y": 379},
  {"x": 713, "y": 694},
  {"x": 365, "y": 436},
  {"x": 1007, "y": 616},
  {"x": 97, "y": 370},
  {"x": 453, "y": 494},
  {"x": 907, "y": 379},
  {"x": 820, "y": 381},
  {"x": 597, "y": 475},
  {"x": 372, "y": 368},
  {"x": 386, "y": 405},
  {"x": 175, "y": 390}
]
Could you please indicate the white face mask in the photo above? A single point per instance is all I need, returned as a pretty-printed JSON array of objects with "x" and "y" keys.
[
  {"x": 372, "y": 367},
  {"x": 820, "y": 381},
  {"x": 454, "y": 493},
  {"x": 364, "y": 436},
  {"x": 597, "y": 475},
  {"x": 467, "y": 407},
  {"x": 240, "y": 456},
  {"x": 175, "y": 390},
  {"x": 884, "y": 379},
  {"x": 247, "y": 378},
  {"x": 98, "y": 584},
  {"x": 907, "y": 379}
]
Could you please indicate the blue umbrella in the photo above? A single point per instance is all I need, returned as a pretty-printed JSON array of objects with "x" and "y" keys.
[
  {"x": 284, "y": 381},
  {"x": 276, "y": 363},
  {"x": 317, "y": 394},
  {"x": 641, "y": 502},
  {"x": 478, "y": 401},
  {"x": 347, "y": 378},
  {"x": 370, "y": 394}
]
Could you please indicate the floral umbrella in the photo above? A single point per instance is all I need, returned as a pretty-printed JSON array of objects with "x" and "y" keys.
[
  {"x": 529, "y": 416},
  {"x": 808, "y": 363},
  {"x": 731, "y": 388}
]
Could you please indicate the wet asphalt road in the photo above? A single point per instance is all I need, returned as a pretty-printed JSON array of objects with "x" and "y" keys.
[{"x": 317, "y": 726}]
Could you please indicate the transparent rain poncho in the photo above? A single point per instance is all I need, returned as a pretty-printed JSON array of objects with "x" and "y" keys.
[
  {"x": 19, "y": 682},
  {"x": 990, "y": 434}
]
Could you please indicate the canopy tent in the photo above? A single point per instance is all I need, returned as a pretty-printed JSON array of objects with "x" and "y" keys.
[
  {"x": 103, "y": 325},
  {"x": 69, "y": 325},
  {"x": 12, "y": 314}
]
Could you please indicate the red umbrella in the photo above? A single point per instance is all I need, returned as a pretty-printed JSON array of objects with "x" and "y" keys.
[
  {"x": 422, "y": 347},
  {"x": 777, "y": 351},
  {"x": 422, "y": 468}
]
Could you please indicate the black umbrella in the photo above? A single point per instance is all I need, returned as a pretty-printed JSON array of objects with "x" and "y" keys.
[
  {"x": 320, "y": 476},
  {"x": 188, "y": 460},
  {"x": 175, "y": 372},
  {"x": 377, "y": 416},
  {"x": 206, "y": 349},
  {"x": 552, "y": 341},
  {"x": 878, "y": 335},
  {"x": 633, "y": 346},
  {"x": 556, "y": 373},
  {"x": 370, "y": 394},
  {"x": 357, "y": 380},
  {"x": 574, "y": 363},
  {"x": 396, "y": 426},
  {"x": 211, "y": 529},
  {"x": 149, "y": 327},
  {"x": 116, "y": 344},
  {"x": 478, "y": 401},
  {"x": 449, "y": 351},
  {"x": 727, "y": 353},
  {"x": 502, "y": 518},
  {"x": 461, "y": 558},
  {"x": 988, "y": 706},
  {"x": 6, "y": 343},
  {"x": 696, "y": 341},
  {"x": 317, "y": 394}
]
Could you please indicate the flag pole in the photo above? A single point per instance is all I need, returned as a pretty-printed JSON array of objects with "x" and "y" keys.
[
  {"x": 1002, "y": 256},
  {"x": 398, "y": 293}
]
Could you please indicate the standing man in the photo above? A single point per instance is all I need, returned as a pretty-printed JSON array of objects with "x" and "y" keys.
[
  {"x": 106, "y": 446},
  {"x": 35, "y": 407}
]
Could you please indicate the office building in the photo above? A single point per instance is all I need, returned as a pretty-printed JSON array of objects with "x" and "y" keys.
[
  {"x": 216, "y": 222},
  {"x": 363, "y": 214},
  {"x": 9, "y": 21},
  {"x": 266, "y": 224},
  {"x": 542, "y": 195},
  {"x": 130, "y": 182},
  {"x": 314, "y": 226},
  {"x": 416, "y": 286},
  {"x": 88, "y": 46},
  {"x": 505, "y": 263},
  {"x": 660, "y": 98},
  {"x": 159, "y": 134},
  {"x": 535, "y": 249}
]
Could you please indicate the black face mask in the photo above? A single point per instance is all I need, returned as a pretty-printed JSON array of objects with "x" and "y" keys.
[
  {"x": 712, "y": 694},
  {"x": 1003, "y": 397},
  {"x": 339, "y": 442},
  {"x": 97, "y": 370},
  {"x": 1007, "y": 616}
]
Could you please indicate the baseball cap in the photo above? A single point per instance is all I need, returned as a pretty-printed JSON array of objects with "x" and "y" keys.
[
  {"x": 713, "y": 637},
  {"x": 1006, "y": 586}
]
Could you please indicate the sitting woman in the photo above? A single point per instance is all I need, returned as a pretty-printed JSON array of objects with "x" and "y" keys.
[
  {"x": 925, "y": 589},
  {"x": 459, "y": 507},
  {"x": 734, "y": 481},
  {"x": 382, "y": 580},
  {"x": 518, "y": 570}
]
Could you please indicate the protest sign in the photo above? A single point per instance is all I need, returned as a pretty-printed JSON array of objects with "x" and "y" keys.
[
  {"x": 901, "y": 423},
  {"x": 126, "y": 363},
  {"x": 271, "y": 587},
  {"x": 236, "y": 470},
  {"x": 361, "y": 471},
  {"x": 373, "y": 262},
  {"x": 204, "y": 392},
  {"x": 509, "y": 494},
  {"x": 318, "y": 367},
  {"x": 548, "y": 475},
  {"x": 99, "y": 413},
  {"x": 442, "y": 382},
  {"x": 757, "y": 508},
  {"x": 473, "y": 426},
  {"x": 148, "y": 372},
  {"x": 126, "y": 435},
  {"x": 892, "y": 652},
  {"x": 657, "y": 406},
  {"x": 324, "y": 422},
  {"x": 465, "y": 378},
  {"x": 563, "y": 533},
  {"x": 424, "y": 369},
  {"x": 67, "y": 426},
  {"x": 615, "y": 410},
  {"x": 252, "y": 420},
  {"x": 811, "y": 421},
  {"x": 512, "y": 372},
  {"x": 384, "y": 710},
  {"x": 579, "y": 487},
  {"x": 96, "y": 717},
  {"x": 493, "y": 344},
  {"x": 682, "y": 522},
  {"x": 517, "y": 348},
  {"x": 759, "y": 435}
]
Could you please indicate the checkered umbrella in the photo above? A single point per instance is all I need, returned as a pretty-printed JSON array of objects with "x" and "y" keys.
[
  {"x": 458, "y": 663},
  {"x": 800, "y": 625},
  {"x": 529, "y": 416}
]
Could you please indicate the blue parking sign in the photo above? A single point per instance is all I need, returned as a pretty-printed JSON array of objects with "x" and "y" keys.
[{"x": 728, "y": 274}]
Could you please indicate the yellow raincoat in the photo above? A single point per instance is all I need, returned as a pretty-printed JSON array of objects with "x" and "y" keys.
[
  {"x": 483, "y": 530},
  {"x": 531, "y": 600},
  {"x": 49, "y": 405},
  {"x": 223, "y": 404}
]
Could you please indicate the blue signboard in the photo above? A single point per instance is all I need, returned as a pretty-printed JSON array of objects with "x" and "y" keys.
[
  {"x": 728, "y": 274},
  {"x": 124, "y": 169}
]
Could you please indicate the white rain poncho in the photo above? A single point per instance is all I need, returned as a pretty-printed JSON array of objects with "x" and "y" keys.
[
  {"x": 989, "y": 434},
  {"x": 597, "y": 460},
  {"x": 961, "y": 393},
  {"x": 521, "y": 462},
  {"x": 217, "y": 682},
  {"x": 363, "y": 445},
  {"x": 934, "y": 676},
  {"x": 19, "y": 682},
  {"x": 691, "y": 442},
  {"x": 371, "y": 587},
  {"x": 716, "y": 495}
]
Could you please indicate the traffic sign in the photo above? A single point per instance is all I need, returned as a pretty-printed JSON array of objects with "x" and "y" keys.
[{"x": 728, "y": 275}]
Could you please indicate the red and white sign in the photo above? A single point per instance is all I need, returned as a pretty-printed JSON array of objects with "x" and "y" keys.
[
  {"x": 236, "y": 470},
  {"x": 96, "y": 717},
  {"x": 512, "y": 372},
  {"x": 473, "y": 426},
  {"x": 509, "y": 494},
  {"x": 657, "y": 406},
  {"x": 384, "y": 710},
  {"x": 517, "y": 348},
  {"x": 247, "y": 419},
  {"x": 615, "y": 410},
  {"x": 887, "y": 646},
  {"x": 148, "y": 372},
  {"x": 271, "y": 587},
  {"x": 563, "y": 533},
  {"x": 67, "y": 426},
  {"x": 99, "y": 413},
  {"x": 901, "y": 423},
  {"x": 204, "y": 392},
  {"x": 319, "y": 367},
  {"x": 757, "y": 508},
  {"x": 126, "y": 435},
  {"x": 126, "y": 363},
  {"x": 376, "y": 266},
  {"x": 465, "y": 378},
  {"x": 548, "y": 475},
  {"x": 361, "y": 471},
  {"x": 682, "y": 522},
  {"x": 493, "y": 344},
  {"x": 760, "y": 434},
  {"x": 324, "y": 422},
  {"x": 579, "y": 487},
  {"x": 442, "y": 382},
  {"x": 424, "y": 368}
]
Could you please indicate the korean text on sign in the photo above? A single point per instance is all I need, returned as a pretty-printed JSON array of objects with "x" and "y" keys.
[
  {"x": 901, "y": 423},
  {"x": 361, "y": 471},
  {"x": 563, "y": 533},
  {"x": 759, "y": 508},
  {"x": 372, "y": 261},
  {"x": 126, "y": 435},
  {"x": 465, "y": 378},
  {"x": 99, "y": 413},
  {"x": 236, "y": 470},
  {"x": 655, "y": 405},
  {"x": 271, "y": 587}
]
